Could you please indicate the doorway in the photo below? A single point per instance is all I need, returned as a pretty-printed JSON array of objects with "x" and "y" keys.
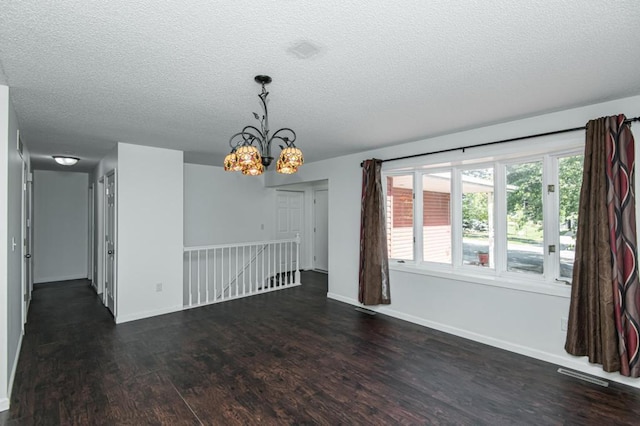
[
  {"x": 90, "y": 257},
  {"x": 110, "y": 233},
  {"x": 27, "y": 240},
  {"x": 321, "y": 230},
  {"x": 290, "y": 217}
]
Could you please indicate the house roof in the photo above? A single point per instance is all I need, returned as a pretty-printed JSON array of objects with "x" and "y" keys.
[{"x": 347, "y": 76}]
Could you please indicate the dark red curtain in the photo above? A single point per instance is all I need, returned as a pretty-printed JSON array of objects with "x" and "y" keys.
[
  {"x": 374, "y": 263},
  {"x": 604, "y": 316}
]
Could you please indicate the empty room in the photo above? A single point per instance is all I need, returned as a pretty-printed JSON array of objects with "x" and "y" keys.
[{"x": 300, "y": 212}]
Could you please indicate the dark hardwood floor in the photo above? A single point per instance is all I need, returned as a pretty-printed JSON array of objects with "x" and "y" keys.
[{"x": 287, "y": 357}]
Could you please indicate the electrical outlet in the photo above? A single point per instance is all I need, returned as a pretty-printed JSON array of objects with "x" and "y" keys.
[
  {"x": 564, "y": 323},
  {"x": 158, "y": 287}
]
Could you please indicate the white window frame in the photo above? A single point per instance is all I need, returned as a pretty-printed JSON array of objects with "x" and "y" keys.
[
  {"x": 384, "y": 192},
  {"x": 419, "y": 193},
  {"x": 549, "y": 151},
  {"x": 473, "y": 269}
]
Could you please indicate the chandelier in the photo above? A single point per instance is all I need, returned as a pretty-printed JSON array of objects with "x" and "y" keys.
[{"x": 251, "y": 148}]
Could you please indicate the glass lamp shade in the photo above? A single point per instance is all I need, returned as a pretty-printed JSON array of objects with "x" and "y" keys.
[
  {"x": 65, "y": 161},
  {"x": 291, "y": 157},
  {"x": 255, "y": 169},
  {"x": 231, "y": 163},
  {"x": 285, "y": 169},
  {"x": 248, "y": 156}
]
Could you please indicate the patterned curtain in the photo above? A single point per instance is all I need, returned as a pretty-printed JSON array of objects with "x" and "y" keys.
[
  {"x": 374, "y": 263},
  {"x": 604, "y": 316}
]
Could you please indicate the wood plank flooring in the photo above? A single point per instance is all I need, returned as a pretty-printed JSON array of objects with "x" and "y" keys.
[{"x": 288, "y": 357}]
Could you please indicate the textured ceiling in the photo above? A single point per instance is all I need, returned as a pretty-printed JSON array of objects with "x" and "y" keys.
[{"x": 85, "y": 75}]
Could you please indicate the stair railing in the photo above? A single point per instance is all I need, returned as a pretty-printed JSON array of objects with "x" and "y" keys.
[{"x": 222, "y": 272}]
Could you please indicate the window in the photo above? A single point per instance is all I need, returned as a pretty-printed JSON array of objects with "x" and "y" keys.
[
  {"x": 436, "y": 217},
  {"x": 525, "y": 243},
  {"x": 514, "y": 216},
  {"x": 569, "y": 182},
  {"x": 400, "y": 217},
  {"x": 477, "y": 217}
]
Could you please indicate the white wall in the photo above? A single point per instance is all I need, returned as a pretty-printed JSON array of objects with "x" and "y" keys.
[
  {"x": 150, "y": 231},
  {"x": 523, "y": 322},
  {"x": 60, "y": 225},
  {"x": 4, "y": 244},
  {"x": 10, "y": 255},
  {"x": 222, "y": 207},
  {"x": 14, "y": 258}
]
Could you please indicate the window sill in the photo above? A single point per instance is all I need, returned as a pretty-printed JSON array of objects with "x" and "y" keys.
[{"x": 511, "y": 282}]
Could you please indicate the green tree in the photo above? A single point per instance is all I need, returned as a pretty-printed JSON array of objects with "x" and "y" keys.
[
  {"x": 524, "y": 192},
  {"x": 570, "y": 182},
  {"x": 475, "y": 205}
]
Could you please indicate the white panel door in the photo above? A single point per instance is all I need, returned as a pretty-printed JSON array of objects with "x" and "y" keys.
[
  {"x": 90, "y": 264},
  {"x": 27, "y": 265},
  {"x": 321, "y": 230},
  {"x": 110, "y": 242},
  {"x": 289, "y": 222}
]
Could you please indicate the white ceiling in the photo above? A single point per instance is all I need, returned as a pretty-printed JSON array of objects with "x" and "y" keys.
[{"x": 179, "y": 74}]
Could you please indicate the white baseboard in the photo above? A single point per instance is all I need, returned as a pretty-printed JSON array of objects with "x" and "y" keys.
[
  {"x": 576, "y": 363},
  {"x": 60, "y": 278},
  {"x": 15, "y": 365},
  {"x": 146, "y": 314},
  {"x": 5, "y": 402}
]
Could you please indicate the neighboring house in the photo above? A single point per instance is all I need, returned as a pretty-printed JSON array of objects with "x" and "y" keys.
[{"x": 152, "y": 217}]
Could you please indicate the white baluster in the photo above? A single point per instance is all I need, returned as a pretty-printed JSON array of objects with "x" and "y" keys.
[
  {"x": 298, "y": 259},
  {"x": 206, "y": 275},
  {"x": 198, "y": 275},
  {"x": 215, "y": 275},
  {"x": 244, "y": 268},
  {"x": 190, "y": 283}
]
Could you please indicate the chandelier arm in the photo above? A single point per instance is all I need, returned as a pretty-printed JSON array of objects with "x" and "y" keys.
[
  {"x": 240, "y": 140},
  {"x": 259, "y": 137},
  {"x": 287, "y": 140},
  {"x": 248, "y": 136},
  {"x": 247, "y": 130},
  {"x": 235, "y": 145}
]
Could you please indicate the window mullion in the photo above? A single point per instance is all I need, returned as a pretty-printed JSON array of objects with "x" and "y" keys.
[
  {"x": 418, "y": 220},
  {"x": 456, "y": 218},
  {"x": 550, "y": 204},
  {"x": 500, "y": 203}
]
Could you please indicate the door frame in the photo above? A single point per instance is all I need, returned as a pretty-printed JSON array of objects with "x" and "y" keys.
[
  {"x": 115, "y": 241},
  {"x": 314, "y": 213},
  {"x": 26, "y": 233},
  {"x": 99, "y": 241},
  {"x": 303, "y": 221},
  {"x": 91, "y": 225}
]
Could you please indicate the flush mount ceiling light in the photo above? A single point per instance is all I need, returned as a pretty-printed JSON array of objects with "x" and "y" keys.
[
  {"x": 65, "y": 161},
  {"x": 251, "y": 148}
]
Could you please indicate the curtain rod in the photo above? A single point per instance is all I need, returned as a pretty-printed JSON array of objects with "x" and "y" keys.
[{"x": 519, "y": 138}]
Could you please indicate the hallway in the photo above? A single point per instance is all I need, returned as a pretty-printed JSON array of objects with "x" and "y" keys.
[{"x": 280, "y": 358}]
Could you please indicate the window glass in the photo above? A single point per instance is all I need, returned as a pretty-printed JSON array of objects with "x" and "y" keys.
[
  {"x": 477, "y": 217},
  {"x": 436, "y": 222},
  {"x": 525, "y": 231},
  {"x": 400, "y": 216},
  {"x": 569, "y": 184}
]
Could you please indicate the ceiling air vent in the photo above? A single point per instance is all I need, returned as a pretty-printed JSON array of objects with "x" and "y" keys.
[{"x": 304, "y": 49}]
